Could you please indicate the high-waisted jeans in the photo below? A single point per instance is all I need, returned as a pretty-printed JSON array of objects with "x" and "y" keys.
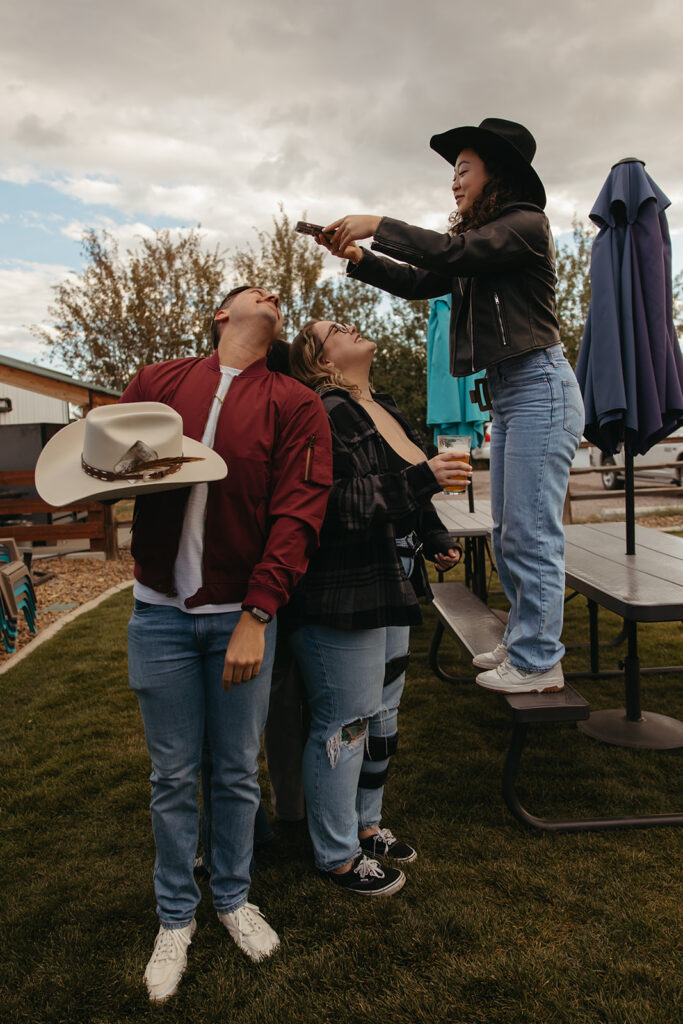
[
  {"x": 343, "y": 671},
  {"x": 176, "y": 667},
  {"x": 538, "y": 420}
]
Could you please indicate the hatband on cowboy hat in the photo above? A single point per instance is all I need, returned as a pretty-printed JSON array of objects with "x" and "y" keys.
[
  {"x": 122, "y": 450},
  {"x": 511, "y": 141}
]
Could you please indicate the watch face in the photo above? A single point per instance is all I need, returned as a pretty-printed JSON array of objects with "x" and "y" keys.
[{"x": 259, "y": 614}]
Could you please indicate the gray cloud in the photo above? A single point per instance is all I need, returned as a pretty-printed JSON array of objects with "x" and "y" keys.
[{"x": 215, "y": 111}]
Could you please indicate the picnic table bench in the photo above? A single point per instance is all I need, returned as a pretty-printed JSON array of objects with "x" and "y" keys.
[{"x": 479, "y": 628}]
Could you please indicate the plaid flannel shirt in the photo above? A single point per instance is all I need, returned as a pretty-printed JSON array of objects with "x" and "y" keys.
[{"x": 356, "y": 580}]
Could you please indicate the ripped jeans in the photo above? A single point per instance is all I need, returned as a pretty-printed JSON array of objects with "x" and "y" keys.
[{"x": 344, "y": 672}]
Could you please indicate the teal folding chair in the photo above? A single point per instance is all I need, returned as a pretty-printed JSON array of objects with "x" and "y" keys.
[
  {"x": 18, "y": 592},
  {"x": 8, "y": 626}
]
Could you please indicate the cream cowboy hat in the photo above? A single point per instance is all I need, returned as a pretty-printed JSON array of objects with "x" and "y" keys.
[{"x": 121, "y": 450}]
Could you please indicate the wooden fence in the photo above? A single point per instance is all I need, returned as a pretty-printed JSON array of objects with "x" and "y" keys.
[{"x": 99, "y": 526}]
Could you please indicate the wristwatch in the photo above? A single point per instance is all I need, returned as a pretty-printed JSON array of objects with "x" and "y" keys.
[{"x": 258, "y": 613}]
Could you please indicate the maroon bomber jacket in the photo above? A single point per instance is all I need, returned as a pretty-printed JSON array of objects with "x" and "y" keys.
[{"x": 263, "y": 520}]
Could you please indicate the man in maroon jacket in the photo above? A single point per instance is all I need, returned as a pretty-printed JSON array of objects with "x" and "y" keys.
[{"x": 213, "y": 563}]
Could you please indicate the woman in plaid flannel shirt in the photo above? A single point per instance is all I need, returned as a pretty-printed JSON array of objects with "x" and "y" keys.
[{"x": 352, "y": 612}]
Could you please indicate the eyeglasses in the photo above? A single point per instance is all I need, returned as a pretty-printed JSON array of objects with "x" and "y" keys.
[{"x": 340, "y": 329}]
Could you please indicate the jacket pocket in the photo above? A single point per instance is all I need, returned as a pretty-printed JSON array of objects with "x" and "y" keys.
[
  {"x": 500, "y": 320},
  {"x": 317, "y": 463},
  {"x": 310, "y": 457}
]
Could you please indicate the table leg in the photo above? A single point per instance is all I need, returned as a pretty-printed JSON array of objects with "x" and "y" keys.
[
  {"x": 469, "y": 563},
  {"x": 632, "y": 675},
  {"x": 512, "y": 762},
  {"x": 632, "y": 727},
  {"x": 594, "y": 637},
  {"x": 433, "y": 659},
  {"x": 479, "y": 568}
]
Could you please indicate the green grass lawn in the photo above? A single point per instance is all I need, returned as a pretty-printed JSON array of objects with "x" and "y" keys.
[{"x": 496, "y": 925}]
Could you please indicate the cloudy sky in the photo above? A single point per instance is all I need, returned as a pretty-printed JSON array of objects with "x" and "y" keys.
[{"x": 142, "y": 114}]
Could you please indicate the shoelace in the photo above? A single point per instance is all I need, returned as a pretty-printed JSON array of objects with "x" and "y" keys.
[
  {"x": 168, "y": 947},
  {"x": 507, "y": 665},
  {"x": 367, "y": 868},
  {"x": 247, "y": 918},
  {"x": 386, "y": 836}
]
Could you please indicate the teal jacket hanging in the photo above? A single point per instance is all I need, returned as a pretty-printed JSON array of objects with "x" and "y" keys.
[{"x": 450, "y": 409}]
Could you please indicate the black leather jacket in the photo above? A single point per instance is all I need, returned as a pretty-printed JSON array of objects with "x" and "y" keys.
[{"x": 501, "y": 277}]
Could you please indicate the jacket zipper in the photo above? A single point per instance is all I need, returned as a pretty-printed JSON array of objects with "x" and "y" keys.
[
  {"x": 310, "y": 444},
  {"x": 471, "y": 329},
  {"x": 499, "y": 311}
]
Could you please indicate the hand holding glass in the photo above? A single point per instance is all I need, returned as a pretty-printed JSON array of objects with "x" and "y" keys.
[{"x": 460, "y": 445}]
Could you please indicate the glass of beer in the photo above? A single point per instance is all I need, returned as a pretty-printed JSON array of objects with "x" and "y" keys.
[{"x": 461, "y": 444}]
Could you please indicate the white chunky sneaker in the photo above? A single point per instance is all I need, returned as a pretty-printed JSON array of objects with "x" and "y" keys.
[
  {"x": 507, "y": 678},
  {"x": 489, "y": 659},
  {"x": 251, "y": 931},
  {"x": 168, "y": 961}
]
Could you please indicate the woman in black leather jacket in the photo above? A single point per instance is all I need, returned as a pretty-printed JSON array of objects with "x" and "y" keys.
[{"x": 497, "y": 260}]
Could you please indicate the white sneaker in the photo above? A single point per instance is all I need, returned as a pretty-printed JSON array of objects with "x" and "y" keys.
[
  {"x": 251, "y": 931},
  {"x": 169, "y": 959},
  {"x": 507, "y": 678},
  {"x": 489, "y": 659}
]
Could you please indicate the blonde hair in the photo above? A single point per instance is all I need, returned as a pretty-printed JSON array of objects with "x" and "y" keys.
[{"x": 306, "y": 363}]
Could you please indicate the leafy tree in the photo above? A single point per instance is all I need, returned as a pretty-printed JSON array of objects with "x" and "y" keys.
[
  {"x": 292, "y": 265},
  {"x": 573, "y": 289},
  {"x": 123, "y": 311},
  {"x": 400, "y": 330},
  {"x": 287, "y": 263}
]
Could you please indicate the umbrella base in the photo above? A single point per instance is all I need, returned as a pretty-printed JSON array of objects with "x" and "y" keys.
[{"x": 651, "y": 732}]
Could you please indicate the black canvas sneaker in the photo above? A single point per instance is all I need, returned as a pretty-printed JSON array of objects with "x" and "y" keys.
[
  {"x": 366, "y": 878},
  {"x": 385, "y": 844}
]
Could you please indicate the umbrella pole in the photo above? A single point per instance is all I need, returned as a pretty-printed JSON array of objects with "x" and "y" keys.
[{"x": 630, "y": 501}]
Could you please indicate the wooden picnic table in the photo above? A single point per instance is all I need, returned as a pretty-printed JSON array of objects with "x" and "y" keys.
[{"x": 644, "y": 587}]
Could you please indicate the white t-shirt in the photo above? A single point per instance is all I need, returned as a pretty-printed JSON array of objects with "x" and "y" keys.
[{"x": 187, "y": 570}]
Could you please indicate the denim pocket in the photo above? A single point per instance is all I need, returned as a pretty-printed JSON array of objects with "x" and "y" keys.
[
  {"x": 530, "y": 368},
  {"x": 141, "y": 606},
  {"x": 573, "y": 415}
]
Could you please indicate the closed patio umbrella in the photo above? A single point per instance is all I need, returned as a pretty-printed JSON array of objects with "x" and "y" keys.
[
  {"x": 630, "y": 370},
  {"x": 630, "y": 366}
]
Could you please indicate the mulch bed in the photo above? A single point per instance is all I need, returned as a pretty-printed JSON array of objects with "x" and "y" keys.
[
  {"x": 659, "y": 522},
  {"x": 76, "y": 581}
]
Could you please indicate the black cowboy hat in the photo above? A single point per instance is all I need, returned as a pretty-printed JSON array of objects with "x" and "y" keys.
[{"x": 511, "y": 141}]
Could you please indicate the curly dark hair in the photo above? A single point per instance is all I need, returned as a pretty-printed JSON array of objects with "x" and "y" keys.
[{"x": 505, "y": 186}]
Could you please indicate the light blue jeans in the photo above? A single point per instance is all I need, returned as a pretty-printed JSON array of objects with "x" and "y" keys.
[
  {"x": 343, "y": 671},
  {"x": 175, "y": 668},
  {"x": 538, "y": 420}
]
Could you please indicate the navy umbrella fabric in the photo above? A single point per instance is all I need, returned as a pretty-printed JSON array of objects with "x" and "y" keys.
[{"x": 630, "y": 366}]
